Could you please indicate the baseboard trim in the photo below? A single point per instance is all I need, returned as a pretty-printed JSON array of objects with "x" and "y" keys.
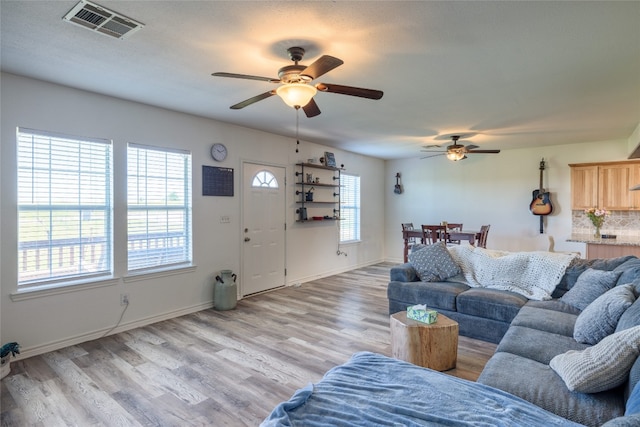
[
  {"x": 333, "y": 272},
  {"x": 78, "y": 339}
]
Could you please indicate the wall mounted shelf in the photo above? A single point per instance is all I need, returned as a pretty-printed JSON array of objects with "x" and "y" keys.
[{"x": 325, "y": 192}]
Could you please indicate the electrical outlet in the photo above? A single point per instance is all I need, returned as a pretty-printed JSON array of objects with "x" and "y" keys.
[
  {"x": 124, "y": 299},
  {"x": 225, "y": 219}
]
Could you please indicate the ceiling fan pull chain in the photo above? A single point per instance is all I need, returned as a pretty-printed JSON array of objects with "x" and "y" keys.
[{"x": 297, "y": 127}]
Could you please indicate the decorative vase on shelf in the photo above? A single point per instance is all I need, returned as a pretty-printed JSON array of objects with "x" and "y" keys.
[{"x": 597, "y": 233}]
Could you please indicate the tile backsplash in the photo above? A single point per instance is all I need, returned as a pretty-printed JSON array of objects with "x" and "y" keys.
[{"x": 621, "y": 223}]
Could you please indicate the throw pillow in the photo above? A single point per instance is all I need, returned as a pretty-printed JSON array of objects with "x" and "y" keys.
[
  {"x": 631, "y": 316},
  {"x": 633, "y": 402},
  {"x": 589, "y": 286},
  {"x": 600, "y": 318},
  {"x": 434, "y": 263},
  {"x": 602, "y": 367}
]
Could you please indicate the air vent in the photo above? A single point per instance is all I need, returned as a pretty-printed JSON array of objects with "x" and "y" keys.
[{"x": 101, "y": 20}]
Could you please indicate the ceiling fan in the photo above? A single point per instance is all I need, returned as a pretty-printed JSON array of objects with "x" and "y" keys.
[
  {"x": 457, "y": 151},
  {"x": 295, "y": 89}
]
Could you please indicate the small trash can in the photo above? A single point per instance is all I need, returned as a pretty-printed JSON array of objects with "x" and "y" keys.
[{"x": 226, "y": 291}]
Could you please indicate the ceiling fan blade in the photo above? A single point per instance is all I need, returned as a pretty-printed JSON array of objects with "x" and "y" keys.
[
  {"x": 484, "y": 151},
  {"x": 432, "y": 151},
  {"x": 250, "y": 101},
  {"x": 433, "y": 155},
  {"x": 471, "y": 147},
  {"x": 350, "y": 90},
  {"x": 311, "y": 109},
  {"x": 322, "y": 65},
  {"x": 246, "y": 77}
]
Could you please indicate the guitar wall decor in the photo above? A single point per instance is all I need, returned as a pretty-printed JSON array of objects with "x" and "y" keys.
[
  {"x": 398, "y": 188},
  {"x": 541, "y": 203}
]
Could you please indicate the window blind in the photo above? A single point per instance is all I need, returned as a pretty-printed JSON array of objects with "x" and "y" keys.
[
  {"x": 349, "y": 208},
  {"x": 159, "y": 207},
  {"x": 64, "y": 207}
]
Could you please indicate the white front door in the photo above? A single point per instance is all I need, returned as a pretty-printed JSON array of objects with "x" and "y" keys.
[{"x": 263, "y": 228}]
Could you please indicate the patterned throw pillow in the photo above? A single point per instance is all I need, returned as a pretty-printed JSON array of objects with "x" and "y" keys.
[
  {"x": 600, "y": 318},
  {"x": 602, "y": 367},
  {"x": 434, "y": 263},
  {"x": 589, "y": 286}
]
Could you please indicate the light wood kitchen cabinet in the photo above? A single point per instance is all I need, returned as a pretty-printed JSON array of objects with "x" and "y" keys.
[
  {"x": 605, "y": 185},
  {"x": 584, "y": 187},
  {"x": 614, "y": 182}
]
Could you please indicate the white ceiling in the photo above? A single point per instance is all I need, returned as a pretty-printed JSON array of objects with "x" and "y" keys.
[{"x": 519, "y": 74}]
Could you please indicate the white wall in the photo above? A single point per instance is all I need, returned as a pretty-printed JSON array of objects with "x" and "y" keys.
[
  {"x": 634, "y": 141},
  {"x": 49, "y": 322},
  {"x": 493, "y": 189}
]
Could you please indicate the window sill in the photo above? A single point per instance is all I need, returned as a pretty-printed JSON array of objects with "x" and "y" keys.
[
  {"x": 350, "y": 242},
  {"x": 153, "y": 274},
  {"x": 61, "y": 288}
]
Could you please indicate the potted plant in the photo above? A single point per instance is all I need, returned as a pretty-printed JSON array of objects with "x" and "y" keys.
[{"x": 7, "y": 350}]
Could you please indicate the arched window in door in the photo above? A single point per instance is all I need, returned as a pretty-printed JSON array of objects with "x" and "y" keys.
[{"x": 264, "y": 179}]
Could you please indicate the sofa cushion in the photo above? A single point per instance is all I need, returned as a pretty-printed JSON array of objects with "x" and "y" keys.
[
  {"x": 589, "y": 286},
  {"x": 555, "y": 305},
  {"x": 539, "y": 384},
  {"x": 537, "y": 345},
  {"x": 481, "y": 328},
  {"x": 602, "y": 367},
  {"x": 579, "y": 266},
  {"x": 434, "y": 263},
  {"x": 556, "y": 322},
  {"x": 490, "y": 303},
  {"x": 600, "y": 318},
  {"x": 436, "y": 295},
  {"x": 629, "y": 319},
  {"x": 403, "y": 273}
]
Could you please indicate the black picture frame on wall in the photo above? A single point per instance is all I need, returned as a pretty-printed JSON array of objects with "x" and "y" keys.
[{"x": 329, "y": 159}]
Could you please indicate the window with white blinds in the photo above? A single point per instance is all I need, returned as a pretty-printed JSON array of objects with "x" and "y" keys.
[
  {"x": 64, "y": 207},
  {"x": 349, "y": 208},
  {"x": 159, "y": 207}
]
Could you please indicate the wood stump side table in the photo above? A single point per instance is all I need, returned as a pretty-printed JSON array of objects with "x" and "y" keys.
[{"x": 432, "y": 345}]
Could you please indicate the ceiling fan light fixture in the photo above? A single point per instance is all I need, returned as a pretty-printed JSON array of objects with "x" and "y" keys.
[
  {"x": 455, "y": 155},
  {"x": 296, "y": 95},
  {"x": 455, "y": 152}
]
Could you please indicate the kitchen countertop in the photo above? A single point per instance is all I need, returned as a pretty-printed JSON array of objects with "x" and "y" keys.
[{"x": 619, "y": 241}]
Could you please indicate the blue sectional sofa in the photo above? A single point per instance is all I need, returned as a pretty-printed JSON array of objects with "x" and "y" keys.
[
  {"x": 530, "y": 334},
  {"x": 483, "y": 313}
]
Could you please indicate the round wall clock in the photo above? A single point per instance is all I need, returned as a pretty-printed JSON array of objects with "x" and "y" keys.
[{"x": 218, "y": 152}]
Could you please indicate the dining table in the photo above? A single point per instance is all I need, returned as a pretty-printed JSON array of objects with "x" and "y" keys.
[{"x": 464, "y": 235}]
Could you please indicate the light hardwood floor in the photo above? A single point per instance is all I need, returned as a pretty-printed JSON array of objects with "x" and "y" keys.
[{"x": 214, "y": 368}]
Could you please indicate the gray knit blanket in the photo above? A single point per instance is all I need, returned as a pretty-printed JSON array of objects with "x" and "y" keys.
[{"x": 532, "y": 274}]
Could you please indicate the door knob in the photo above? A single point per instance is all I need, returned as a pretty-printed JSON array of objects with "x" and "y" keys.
[{"x": 246, "y": 239}]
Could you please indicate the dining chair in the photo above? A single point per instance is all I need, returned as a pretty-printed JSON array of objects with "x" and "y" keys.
[
  {"x": 433, "y": 233},
  {"x": 482, "y": 241},
  {"x": 408, "y": 226},
  {"x": 453, "y": 226},
  {"x": 411, "y": 241}
]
